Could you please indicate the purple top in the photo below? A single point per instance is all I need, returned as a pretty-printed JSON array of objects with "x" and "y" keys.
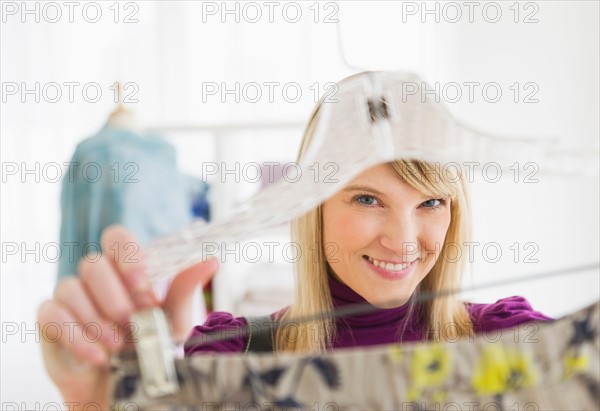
[{"x": 381, "y": 326}]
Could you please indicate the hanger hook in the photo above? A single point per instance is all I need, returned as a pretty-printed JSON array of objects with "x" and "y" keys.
[{"x": 340, "y": 44}]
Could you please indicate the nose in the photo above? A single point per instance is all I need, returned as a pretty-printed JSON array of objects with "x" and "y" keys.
[{"x": 399, "y": 235}]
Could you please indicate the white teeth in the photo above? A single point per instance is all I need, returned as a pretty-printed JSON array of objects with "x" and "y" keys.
[{"x": 388, "y": 266}]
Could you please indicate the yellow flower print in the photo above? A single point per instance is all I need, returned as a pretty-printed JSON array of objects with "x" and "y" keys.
[
  {"x": 503, "y": 369},
  {"x": 574, "y": 363},
  {"x": 430, "y": 367}
]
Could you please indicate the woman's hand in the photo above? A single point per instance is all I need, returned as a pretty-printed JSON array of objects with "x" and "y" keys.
[{"x": 88, "y": 316}]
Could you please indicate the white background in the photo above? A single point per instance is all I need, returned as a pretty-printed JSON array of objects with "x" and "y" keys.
[{"x": 176, "y": 47}]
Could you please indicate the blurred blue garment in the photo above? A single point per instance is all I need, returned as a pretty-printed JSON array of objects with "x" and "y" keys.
[
  {"x": 198, "y": 197},
  {"x": 118, "y": 176}
]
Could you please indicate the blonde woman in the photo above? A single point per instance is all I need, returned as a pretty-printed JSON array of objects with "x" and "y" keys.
[
  {"x": 391, "y": 228},
  {"x": 407, "y": 214}
]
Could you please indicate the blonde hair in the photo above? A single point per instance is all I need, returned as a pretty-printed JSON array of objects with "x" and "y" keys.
[{"x": 446, "y": 317}]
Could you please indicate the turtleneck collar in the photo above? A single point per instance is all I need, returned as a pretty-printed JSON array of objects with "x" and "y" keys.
[{"x": 380, "y": 317}]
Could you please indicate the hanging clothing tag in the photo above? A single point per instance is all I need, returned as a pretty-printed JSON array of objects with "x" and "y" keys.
[{"x": 155, "y": 353}]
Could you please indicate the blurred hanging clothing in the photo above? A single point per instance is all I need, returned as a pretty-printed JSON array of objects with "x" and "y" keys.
[
  {"x": 198, "y": 192},
  {"x": 120, "y": 176}
]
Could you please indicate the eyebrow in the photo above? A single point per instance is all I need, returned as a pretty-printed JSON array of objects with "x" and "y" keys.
[{"x": 363, "y": 188}]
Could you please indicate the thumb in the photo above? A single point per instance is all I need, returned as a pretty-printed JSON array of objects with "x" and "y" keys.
[{"x": 178, "y": 302}]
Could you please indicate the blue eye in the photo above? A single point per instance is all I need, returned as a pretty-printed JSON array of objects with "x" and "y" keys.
[
  {"x": 441, "y": 201},
  {"x": 365, "y": 196}
]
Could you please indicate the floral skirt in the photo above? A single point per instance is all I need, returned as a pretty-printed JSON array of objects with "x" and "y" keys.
[{"x": 536, "y": 366}]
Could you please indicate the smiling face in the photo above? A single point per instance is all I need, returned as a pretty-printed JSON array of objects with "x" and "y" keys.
[{"x": 376, "y": 223}]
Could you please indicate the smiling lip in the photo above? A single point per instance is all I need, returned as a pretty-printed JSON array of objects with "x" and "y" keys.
[{"x": 389, "y": 274}]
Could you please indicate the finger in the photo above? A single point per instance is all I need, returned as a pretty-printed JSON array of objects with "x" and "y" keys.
[
  {"x": 178, "y": 302},
  {"x": 126, "y": 257},
  {"x": 56, "y": 329},
  {"x": 72, "y": 294},
  {"x": 109, "y": 295}
]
